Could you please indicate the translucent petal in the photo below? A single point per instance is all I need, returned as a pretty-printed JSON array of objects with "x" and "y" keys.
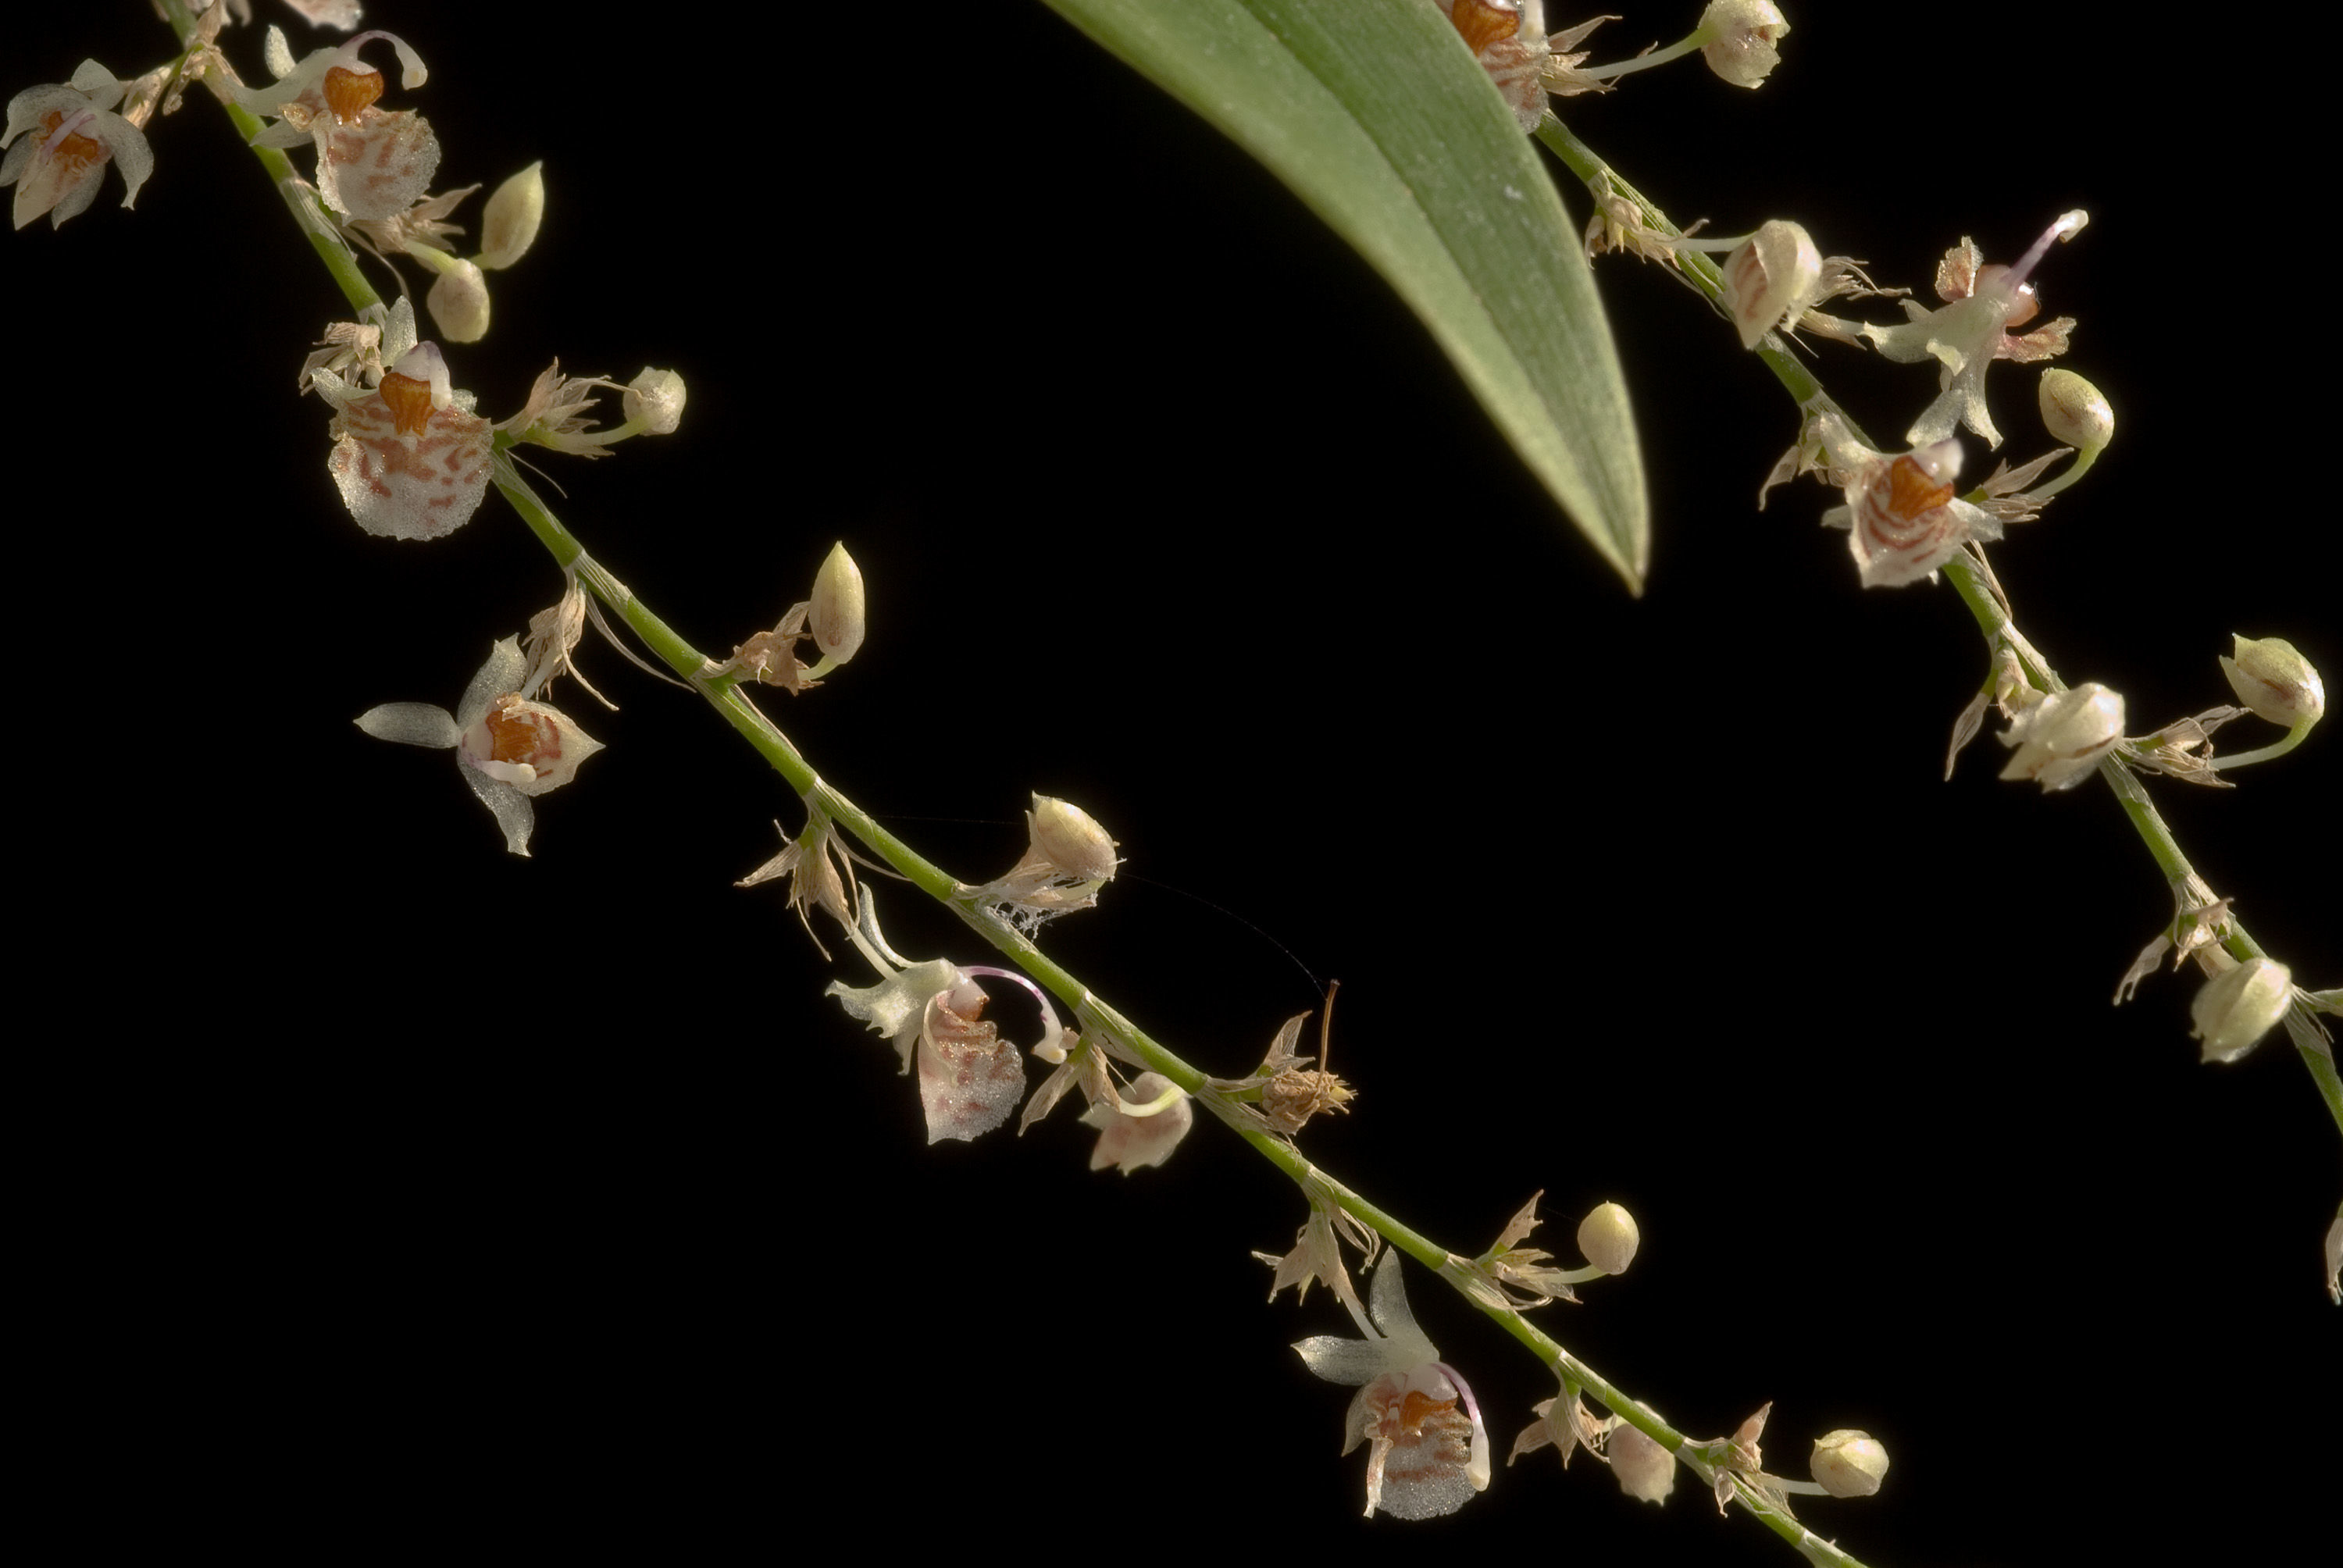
[
  {"x": 500, "y": 675},
  {"x": 514, "y": 813},
  {"x": 411, "y": 724}
]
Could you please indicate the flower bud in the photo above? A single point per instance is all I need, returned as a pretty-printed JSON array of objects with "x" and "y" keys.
[
  {"x": 654, "y": 399},
  {"x": 2061, "y": 739},
  {"x": 1069, "y": 838},
  {"x": 1645, "y": 1469},
  {"x": 509, "y": 223},
  {"x": 2274, "y": 681},
  {"x": 459, "y": 299},
  {"x": 2236, "y": 1007},
  {"x": 2076, "y": 413},
  {"x": 1740, "y": 38},
  {"x": 1848, "y": 1463},
  {"x": 1768, "y": 279},
  {"x": 835, "y": 613},
  {"x": 1608, "y": 1238}
]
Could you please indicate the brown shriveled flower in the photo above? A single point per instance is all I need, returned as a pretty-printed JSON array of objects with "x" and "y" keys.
[
  {"x": 1292, "y": 1094},
  {"x": 820, "y": 875},
  {"x": 1564, "y": 1423}
]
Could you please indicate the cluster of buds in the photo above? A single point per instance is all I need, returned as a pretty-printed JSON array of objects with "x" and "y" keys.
[{"x": 458, "y": 296}]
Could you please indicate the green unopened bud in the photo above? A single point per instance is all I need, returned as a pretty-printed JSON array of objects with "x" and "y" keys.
[
  {"x": 1848, "y": 1463},
  {"x": 2076, "y": 413},
  {"x": 2276, "y": 681},
  {"x": 1608, "y": 1238},
  {"x": 835, "y": 613},
  {"x": 2236, "y": 1007},
  {"x": 509, "y": 224}
]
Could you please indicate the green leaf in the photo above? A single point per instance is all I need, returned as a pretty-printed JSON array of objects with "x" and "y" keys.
[{"x": 1378, "y": 117}]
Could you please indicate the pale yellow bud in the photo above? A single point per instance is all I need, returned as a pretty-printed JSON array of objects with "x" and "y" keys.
[
  {"x": 835, "y": 616},
  {"x": 458, "y": 300},
  {"x": 1769, "y": 278},
  {"x": 1739, "y": 38},
  {"x": 654, "y": 399},
  {"x": 1069, "y": 838},
  {"x": 1608, "y": 1238},
  {"x": 1645, "y": 1469},
  {"x": 2076, "y": 413},
  {"x": 2239, "y": 1006},
  {"x": 509, "y": 223},
  {"x": 1848, "y": 1463},
  {"x": 2276, "y": 681}
]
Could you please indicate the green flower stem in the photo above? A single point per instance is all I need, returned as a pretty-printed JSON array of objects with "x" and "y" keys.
[
  {"x": 2292, "y": 739},
  {"x": 723, "y": 693},
  {"x": 1987, "y": 606},
  {"x": 1096, "y": 1016},
  {"x": 309, "y": 214},
  {"x": 1675, "y": 51}
]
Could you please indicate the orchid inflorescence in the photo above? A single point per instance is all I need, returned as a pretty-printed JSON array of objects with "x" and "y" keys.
[{"x": 411, "y": 457}]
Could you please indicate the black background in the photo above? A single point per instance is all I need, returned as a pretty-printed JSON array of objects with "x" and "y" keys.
[{"x": 375, "y": 1184}]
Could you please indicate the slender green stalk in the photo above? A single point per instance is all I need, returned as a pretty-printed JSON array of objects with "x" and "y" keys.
[
  {"x": 1988, "y": 605},
  {"x": 1100, "y": 1021}
]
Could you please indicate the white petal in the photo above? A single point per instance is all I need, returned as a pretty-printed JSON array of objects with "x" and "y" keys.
[
  {"x": 500, "y": 675},
  {"x": 1345, "y": 1360},
  {"x": 514, "y": 813},
  {"x": 1406, "y": 1344},
  {"x": 411, "y": 724}
]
